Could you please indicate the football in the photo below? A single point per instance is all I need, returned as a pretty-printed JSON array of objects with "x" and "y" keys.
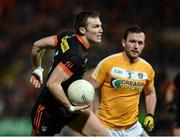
[{"x": 81, "y": 92}]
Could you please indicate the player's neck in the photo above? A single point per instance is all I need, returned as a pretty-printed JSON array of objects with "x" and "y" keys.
[{"x": 129, "y": 58}]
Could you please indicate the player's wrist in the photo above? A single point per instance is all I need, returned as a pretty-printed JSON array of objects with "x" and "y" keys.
[
  {"x": 38, "y": 71},
  {"x": 39, "y": 67},
  {"x": 71, "y": 108},
  {"x": 150, "y": 114}
]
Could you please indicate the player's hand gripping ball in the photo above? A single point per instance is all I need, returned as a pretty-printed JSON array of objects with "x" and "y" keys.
[
  {"x": 149, "y": 122},
  {"x": 81, "y": 92}
]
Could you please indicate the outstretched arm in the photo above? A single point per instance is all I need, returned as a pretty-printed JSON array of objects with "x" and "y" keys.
[
  {"x": 37, "y": 53},
  {"x": 39, "y": 48}
]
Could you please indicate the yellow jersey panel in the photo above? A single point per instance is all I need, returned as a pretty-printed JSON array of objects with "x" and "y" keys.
[{"x": 122, "y": 83}]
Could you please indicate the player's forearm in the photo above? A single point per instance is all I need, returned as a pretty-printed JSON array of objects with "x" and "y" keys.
[
  {"x": 151, "y": 102},
  {"x": 37, "y": 55},
  {"x": 39, "y": 47},
  {"x": 58, "y": 93}
]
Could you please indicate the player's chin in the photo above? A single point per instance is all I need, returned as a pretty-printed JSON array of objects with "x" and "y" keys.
[
  {"x": 98, "y": 41},
  {"x": 134, "y": 56}
]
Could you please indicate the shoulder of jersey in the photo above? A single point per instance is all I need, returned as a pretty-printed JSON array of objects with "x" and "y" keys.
[
  {"x": 66, "y": 33},
  {"x": 111, "y": 57},
  {"x": 145, "y": 62}
]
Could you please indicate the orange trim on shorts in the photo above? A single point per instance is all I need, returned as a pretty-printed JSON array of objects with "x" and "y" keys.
[
  {"x": 55, "y": 39},
  {"x": 66, "y": 69},
  {"x": 82, "y": 41},
  {"x": 37, "y": 119}
]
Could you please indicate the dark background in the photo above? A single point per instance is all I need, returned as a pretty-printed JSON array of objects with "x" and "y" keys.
[{"x": 23, "y": 22}]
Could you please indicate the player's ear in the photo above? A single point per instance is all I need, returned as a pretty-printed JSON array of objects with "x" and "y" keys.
[
  {"x": 123, "y": 42},
  {"x": 82, "y": 30}
]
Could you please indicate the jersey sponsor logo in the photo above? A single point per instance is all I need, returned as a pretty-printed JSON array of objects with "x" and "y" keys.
[
  {"x": 115, "y": 83},
  {"x": 131, "y": 89},
  {"x": 127, "y": 85},
  {"x": 130, "y": 74},
  {"x": 64, "y": 44}
]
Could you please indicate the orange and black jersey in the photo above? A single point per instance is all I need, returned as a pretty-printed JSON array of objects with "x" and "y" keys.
[{"x": 71, "y": 56}]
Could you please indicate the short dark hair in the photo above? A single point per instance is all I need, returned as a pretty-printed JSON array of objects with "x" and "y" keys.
[
  {"x": 132, "y": 29},
  {"x": 80, "y": 19}
]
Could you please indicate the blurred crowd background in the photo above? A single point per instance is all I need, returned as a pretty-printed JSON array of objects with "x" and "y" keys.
[{"x": 24, "y": 21}]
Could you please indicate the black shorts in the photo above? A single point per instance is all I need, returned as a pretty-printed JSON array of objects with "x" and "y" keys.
[{"x": 46, "y": 122}]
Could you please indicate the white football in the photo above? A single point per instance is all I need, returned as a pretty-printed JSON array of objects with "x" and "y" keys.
[{"x": 81, "y": 92}]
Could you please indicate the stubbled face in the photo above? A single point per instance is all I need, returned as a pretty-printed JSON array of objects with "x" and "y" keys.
[
  {"x": 134, "y": 45},
  {"x": 94, "y": 30}
]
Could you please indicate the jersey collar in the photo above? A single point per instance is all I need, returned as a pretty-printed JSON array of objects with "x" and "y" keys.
[{"x": 80, "y": 38}]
